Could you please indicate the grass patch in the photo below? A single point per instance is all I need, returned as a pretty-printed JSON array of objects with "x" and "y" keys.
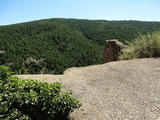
[{"x": 144, "y": 46}]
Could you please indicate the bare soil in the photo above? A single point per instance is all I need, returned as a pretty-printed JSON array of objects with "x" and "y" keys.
[{"x": 123, "y": 90}]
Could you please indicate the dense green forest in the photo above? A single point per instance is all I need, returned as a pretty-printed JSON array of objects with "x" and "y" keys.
[{"x": 52, "y": 45}]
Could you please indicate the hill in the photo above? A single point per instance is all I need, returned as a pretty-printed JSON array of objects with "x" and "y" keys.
[
  {"x": 117, "y": 90},
  {"x": 52, "y": 45}
]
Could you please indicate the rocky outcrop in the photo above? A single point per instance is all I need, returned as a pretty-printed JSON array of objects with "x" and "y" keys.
[
  {"x": 123, "y": 90},
  {"x": 112, "y": 50}
]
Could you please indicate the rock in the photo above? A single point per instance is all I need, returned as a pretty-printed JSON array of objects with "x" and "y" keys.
[
  {"x": 112, "y": 49},
  {"x": 121, "y": 90}
]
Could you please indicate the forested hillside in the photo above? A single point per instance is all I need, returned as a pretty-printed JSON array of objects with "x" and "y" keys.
[
  {"x": 52, "y": 45},
  {"x": 98, "y": 31}
]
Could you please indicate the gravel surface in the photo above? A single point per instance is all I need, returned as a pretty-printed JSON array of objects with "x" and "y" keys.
[{"x": 123, "y": 90}]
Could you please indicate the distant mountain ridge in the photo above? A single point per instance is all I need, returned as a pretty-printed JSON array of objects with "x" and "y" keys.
[
  {"x": 64, "y": 43},
  {"x": 100, "y": 30}
]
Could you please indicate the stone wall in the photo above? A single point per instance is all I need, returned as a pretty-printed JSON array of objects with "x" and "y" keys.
[{"x": 112, "y": 49}]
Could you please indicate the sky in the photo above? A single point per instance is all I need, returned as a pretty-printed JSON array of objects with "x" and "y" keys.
[{"x": 17, "y": 11}]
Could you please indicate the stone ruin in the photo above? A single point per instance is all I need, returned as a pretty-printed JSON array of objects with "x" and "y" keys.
[{"x": 112, "y": 50}]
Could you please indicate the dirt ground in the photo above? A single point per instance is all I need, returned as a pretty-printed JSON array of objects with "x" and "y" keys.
[{"x": 123, "y": 90}]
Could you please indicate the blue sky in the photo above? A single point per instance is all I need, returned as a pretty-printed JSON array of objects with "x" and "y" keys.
[{"x": 16, "y": 11}]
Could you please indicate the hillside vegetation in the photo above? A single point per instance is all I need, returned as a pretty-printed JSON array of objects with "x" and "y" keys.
[{"x": 52, "y": 45}]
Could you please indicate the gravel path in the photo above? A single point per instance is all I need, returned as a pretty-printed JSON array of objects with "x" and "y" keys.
[{"x": 123, "y": 90}]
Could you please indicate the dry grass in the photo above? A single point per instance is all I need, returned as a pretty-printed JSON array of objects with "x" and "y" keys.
[{"x": 144, "y": 46}]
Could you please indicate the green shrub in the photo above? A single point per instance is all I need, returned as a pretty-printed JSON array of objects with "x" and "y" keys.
[
  {"x": 144, "y": 46},
  {"x": 33, "y": 100}
]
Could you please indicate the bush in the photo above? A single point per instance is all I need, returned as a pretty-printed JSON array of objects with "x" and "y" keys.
[
  {"x": 33, "y": 100},
  {"x": 144, "y": 46}
]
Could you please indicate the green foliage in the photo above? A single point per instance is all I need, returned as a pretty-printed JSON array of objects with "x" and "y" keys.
[
  {"x": 33, "y": 100},
  {"x": 4, "y": 73},
  {"x": 144, "y": 46},
  {"x": 63, "y": 43}
]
